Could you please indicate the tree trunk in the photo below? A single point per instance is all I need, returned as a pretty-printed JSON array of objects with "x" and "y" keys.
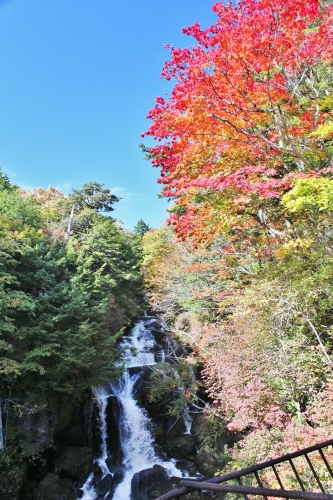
[{"x": 71, "y": 217}]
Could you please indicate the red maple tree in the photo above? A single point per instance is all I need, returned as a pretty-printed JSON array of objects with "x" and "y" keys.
[{"x": 247, "y": 102}]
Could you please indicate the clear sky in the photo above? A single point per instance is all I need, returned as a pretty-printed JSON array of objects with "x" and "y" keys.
[{"x": 77, "y": 78}]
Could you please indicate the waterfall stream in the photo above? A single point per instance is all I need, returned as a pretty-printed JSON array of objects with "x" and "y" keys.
[{"x": 136, "y": 440}]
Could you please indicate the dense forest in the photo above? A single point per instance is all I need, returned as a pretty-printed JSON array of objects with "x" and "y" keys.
[
  {"x": 242, "y": 274},
  {"x": 66, "y": 294}
]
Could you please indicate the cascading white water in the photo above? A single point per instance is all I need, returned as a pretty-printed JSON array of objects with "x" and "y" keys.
[
  {"x": 135, "y": 437},
  {"x": 101, "y": 395}
]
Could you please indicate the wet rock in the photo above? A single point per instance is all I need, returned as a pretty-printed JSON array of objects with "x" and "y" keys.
[
  {"x": 146, "y": 480},
  {"x": 151, "y": 324},
  {"x": 75, "y": 463},
  {"x": 161, "y": 488},
  {"x": 116, "y": 480},
  {"x": 113, "y": 417},
  {"x": 141, "y": 389},
  {"x": 158, "y": 353},
  {"x": 98, "y": 473},
  {"x": 157, "y": 332},
  {"x": 104, "y": 485},
  {"x": 78, "y": 492},
  {"x": 181, "y": 446},
  {"x": 188, "y": 466}
]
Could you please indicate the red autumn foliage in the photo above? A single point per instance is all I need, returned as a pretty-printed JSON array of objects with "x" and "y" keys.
[{"x": 245, "y": 99}]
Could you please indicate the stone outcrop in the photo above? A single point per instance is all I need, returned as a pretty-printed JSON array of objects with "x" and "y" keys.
[
  {"x": 54, "y": 488},
  {"x": 145, "y": 480},
  {"x": 180, "y": 446},
  {"x": 74, "y": 463}
]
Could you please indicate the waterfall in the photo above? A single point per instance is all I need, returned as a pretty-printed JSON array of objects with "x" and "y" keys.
[
  {"x": 136, "y": 440},
  {"x": 188, "y": 420},
  {"x": 102, "y": 395}
]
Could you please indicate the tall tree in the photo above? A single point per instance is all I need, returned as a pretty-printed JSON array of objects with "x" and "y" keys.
[
  {"x": 93, "y": 196},
  {"x": 141, "y": 227},
  {"x": 250, "y": 110}
]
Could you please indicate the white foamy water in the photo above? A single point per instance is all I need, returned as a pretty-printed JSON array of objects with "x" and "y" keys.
[
  {"x": 101, "y": 395},
  {"x": 136, "y": 439}
]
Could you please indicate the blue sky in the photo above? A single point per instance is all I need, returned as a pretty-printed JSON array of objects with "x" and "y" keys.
[{"x": 77, "y": 78}]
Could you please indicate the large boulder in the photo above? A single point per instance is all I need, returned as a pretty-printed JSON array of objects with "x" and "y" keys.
[
  {"x": 103, "y": 485},
  {"x": 181, "y": 446},
  {"x": 74, "y": 463},
  {"x": 209, "y": 462},
  {"x": 147, "y": 479},
  {"x": 164, "y": 487},
  {"x": 158, "y": 332}
]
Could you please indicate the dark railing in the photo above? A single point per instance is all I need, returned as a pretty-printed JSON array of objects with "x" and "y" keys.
[{"x": 284, "y": 477}]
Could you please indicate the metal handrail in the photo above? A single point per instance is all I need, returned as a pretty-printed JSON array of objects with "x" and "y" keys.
[
  {"x": 250, "y": 490},
  {"x": 214, "y": 484}
]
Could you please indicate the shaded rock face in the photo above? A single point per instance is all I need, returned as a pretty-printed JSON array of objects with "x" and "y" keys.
[
  {"x": 32, "y": 430},
  {"x": 32, "y": 436},
  {"x": 41, "y": 427},
  {"x": 201, "y": 428},
  {"x": 211, "y": 459},
  {"x": 174, "y": 427},
  {"x": 104, "y": 485},
  {"x": 208, "y": 462},
  {"x": 181, "y": 446},
  {"x": 54, "y": 488},
  {"x": 11, "y": 481},
  {"x": 74, "y": 463},
  {"x": 32, "y": 433},
  {"x": 145, "y": 480}
]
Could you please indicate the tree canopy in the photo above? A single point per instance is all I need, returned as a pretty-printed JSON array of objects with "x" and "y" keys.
[
  {"x": 62, "y": 306},
  {"x": 250, "y": 110},
  {"x": 93, "y": 196}
]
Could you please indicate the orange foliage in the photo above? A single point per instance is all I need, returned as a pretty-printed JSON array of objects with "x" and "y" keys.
[{"x": 240, "y": 116}]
